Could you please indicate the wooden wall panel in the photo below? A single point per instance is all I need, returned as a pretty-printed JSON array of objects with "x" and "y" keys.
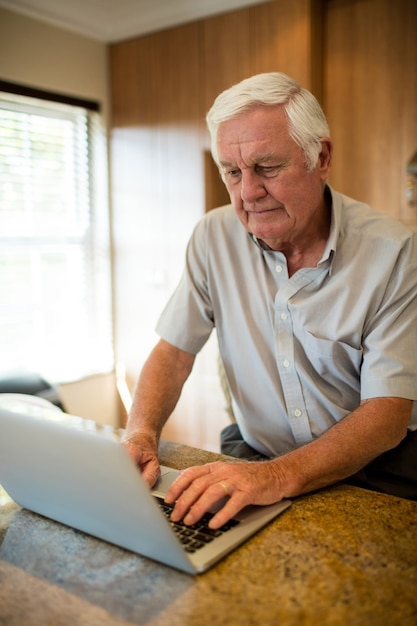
[
  {"x": 272, "y": 36},
  {"x": 371, "y": 99},
  {"x": 176, "y": 76},
  {"x": 227, "y": 52},
  {"x": 155, "y": 79},
  {"x": 288, "y": 39},
  {"x": 131, "y": 63}
]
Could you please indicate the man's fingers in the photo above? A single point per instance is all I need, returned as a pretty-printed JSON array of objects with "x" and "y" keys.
[
  {"x": 230, "y": 509},
  {"x": 194, "y": 496},
  {"x": 183, "y": 482},
  {"x": 150, "y": 473},
  {"x": 146, "y": 461}
]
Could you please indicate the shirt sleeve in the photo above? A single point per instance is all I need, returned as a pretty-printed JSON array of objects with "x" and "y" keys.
[{"x": 390, "y": 337}]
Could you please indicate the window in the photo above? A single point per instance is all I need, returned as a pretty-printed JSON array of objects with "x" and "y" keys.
[{"x": 55, "y": 295}]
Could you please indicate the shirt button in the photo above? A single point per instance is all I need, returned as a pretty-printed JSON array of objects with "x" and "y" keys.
[
  {"x": 298, "y": 413},
  {"x": 278, "y": 268},
  {"x": 286, "y": 363},
  {"x": 284, "y": 316}
]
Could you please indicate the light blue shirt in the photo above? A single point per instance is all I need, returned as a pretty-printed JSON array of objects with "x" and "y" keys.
[{"x": 301, "y": 353}]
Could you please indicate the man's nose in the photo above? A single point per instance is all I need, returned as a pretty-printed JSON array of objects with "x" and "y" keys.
[{"x": 252, "y": 187}]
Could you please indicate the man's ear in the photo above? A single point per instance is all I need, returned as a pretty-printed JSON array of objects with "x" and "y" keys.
[{"x": 325, "y": 156}]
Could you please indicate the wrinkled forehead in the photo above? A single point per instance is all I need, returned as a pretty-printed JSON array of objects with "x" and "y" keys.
[{"x": 254, "y": 136}]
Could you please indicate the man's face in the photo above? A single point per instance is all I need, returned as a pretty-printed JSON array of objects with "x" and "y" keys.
[{"x": 273, "y": 194}]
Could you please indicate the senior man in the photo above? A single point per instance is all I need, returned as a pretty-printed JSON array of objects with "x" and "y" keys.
[{"x": 313, "y": 297}]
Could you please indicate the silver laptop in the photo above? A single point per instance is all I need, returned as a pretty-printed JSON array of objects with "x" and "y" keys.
[{"x": 55, "y": 467}]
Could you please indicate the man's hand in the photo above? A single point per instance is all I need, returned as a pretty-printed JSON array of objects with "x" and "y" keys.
[
  {"x": 144, "y": 452},
  {"x": 198, "y": 488}
]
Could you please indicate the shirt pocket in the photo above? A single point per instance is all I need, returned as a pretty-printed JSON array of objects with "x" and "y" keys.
[{"x": 333, "y": 359}]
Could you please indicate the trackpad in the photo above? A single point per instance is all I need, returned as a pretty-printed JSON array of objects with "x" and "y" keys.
[{"x": 164, "y": 482}]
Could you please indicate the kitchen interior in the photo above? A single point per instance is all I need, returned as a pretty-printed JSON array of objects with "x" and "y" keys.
[
  {"x": 341, "y": 556},
  {"x": 154, "y": 81}
]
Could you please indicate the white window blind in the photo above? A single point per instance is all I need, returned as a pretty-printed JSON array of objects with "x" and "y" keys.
[{"x": 55, "y": 295}]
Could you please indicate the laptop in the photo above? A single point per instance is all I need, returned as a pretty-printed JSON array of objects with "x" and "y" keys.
[{"x": 55, "y": 466}]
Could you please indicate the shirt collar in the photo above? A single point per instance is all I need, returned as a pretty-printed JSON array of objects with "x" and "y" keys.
[
  {"x": 259, "y": 243},
  {"x": 335, "y": 224}
]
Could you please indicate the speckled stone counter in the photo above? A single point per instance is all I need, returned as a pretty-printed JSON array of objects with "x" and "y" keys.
[{"x": 342, "y": 556}]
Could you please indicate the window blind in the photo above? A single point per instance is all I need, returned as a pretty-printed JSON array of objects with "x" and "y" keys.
[{"x": 55, "y": 291}]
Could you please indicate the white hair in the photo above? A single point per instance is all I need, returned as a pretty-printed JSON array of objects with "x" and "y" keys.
[{"x": 307, "y": 123}]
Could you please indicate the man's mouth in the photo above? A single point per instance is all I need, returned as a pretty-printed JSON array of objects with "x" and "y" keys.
[{"x": 262, "y": 211}]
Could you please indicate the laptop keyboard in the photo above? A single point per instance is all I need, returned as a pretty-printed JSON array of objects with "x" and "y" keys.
[{"x": 197, "y": 536}]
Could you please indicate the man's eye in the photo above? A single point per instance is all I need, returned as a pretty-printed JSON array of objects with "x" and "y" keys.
[
  {"x": 232, "y": 174},
  {"x": 267, "y": 170}
]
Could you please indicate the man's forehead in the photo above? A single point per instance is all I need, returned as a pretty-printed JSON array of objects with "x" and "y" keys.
[{"x": 257, "y": 135}]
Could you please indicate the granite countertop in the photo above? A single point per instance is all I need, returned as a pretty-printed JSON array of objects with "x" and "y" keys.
[{"x": 336, "y": 557}]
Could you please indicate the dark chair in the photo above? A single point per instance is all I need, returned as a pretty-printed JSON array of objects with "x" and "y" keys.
[{"x": 29, "y": 383}]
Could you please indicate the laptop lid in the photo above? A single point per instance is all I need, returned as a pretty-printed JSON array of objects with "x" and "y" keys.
[{"x": 56, "y": 467}]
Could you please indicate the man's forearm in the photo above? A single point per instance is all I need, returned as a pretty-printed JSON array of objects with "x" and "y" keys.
[
  {"x": 158, "y": 390},
  {"x": 375, "y": 427}
]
